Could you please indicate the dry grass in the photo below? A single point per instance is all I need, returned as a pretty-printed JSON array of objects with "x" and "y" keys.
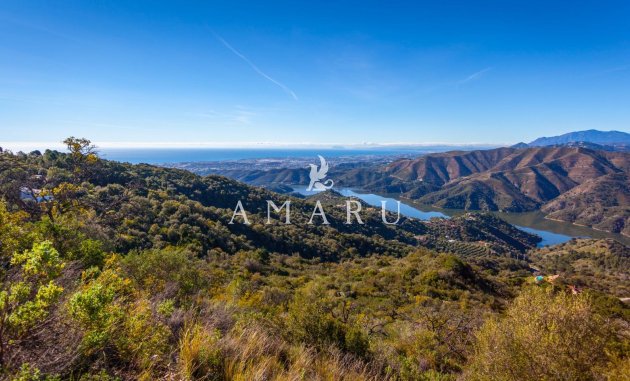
[
  {"x": 252, "y": 354},
  {"x": 199, "y": 354}
]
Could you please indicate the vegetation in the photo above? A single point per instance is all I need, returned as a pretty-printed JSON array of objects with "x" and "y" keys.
[
  {"x": 113, "y": 271},
  {"x": 600, "y": 265},
  {"x": 543, "y": 336}
]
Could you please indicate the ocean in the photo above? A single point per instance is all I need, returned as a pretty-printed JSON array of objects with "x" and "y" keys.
[{"x": 179, "y": 155}]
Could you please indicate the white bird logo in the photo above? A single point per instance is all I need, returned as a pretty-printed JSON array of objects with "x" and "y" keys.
[{"x": 319, "y": 174}]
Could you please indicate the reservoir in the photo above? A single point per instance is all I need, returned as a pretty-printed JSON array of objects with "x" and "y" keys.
[{"x": 551, "y": 232}]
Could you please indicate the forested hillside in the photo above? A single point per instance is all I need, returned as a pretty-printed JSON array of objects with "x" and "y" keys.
[{"x": 118, "y": 271}]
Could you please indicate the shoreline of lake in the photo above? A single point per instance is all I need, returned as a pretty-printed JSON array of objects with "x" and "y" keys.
[{"x": 552, "y": 232}]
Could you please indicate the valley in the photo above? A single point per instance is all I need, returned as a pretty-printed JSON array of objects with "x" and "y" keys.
[
  {"x": 551, "y": 231},
  {"x": 504, "y": 180}
]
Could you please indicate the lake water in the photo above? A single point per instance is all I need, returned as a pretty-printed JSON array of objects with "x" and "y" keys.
[{"x": 551, "y": 232}]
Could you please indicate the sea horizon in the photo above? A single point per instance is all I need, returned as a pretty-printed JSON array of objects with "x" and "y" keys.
[{"x": 177, "y": 154}]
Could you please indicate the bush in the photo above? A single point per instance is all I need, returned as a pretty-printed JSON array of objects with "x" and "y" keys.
[
  {"x": 153, "y": 270},
  {"x": 356, "y": 342},
  {"x": 91, "y": 253},
  {"x": 26, "y": 299},
  {"x": 543, "y": 336},
  {"x": 310, "y": 320},
  {"x": 99, "y": 307}
]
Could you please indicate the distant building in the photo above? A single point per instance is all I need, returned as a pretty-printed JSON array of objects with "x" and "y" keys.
[{"x": 29, "y": 194}]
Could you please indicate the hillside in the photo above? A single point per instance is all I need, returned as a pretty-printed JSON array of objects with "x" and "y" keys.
[
  {"x": 467, "y": 235},
  {"x": 141, "y": 207},
  {"x": 175, "y": 207},
  {"x": 539, "y": 174},
  {"x": 600, "y": 265},
  {"x": 603, "y": 203},
  {"x": 442, "y": 168},
  {"x": 571, "y": 184}
]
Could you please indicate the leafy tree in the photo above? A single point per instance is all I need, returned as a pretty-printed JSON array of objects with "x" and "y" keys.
[
  {"x": 80, "y": 148},
  {"x": 83, "y": 155}
]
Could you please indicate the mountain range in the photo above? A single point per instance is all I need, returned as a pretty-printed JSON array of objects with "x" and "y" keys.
[
  {"x": 567, "y": 182},
  {"x": 594, "y": 139}
]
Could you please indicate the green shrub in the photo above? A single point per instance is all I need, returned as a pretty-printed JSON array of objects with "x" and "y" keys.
[
  {"x": 30, "y": 373},
  {"x": 26, "y": 299}
]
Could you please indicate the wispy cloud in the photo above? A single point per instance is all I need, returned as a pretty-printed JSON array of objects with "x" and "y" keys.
[
  {"x": 452, "y": 84},
  {"x": 256, "y": 68},
  {"x": 474, "y": 76}
]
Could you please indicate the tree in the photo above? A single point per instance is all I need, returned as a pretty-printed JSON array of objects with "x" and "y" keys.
[
  {"x": 83, "y": 155},
  {"x": 80, "y": 147},
  {"x": 27, "y": 295}
]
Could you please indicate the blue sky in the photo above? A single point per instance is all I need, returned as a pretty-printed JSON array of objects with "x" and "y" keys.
[{"x": 237, "y": 72}]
